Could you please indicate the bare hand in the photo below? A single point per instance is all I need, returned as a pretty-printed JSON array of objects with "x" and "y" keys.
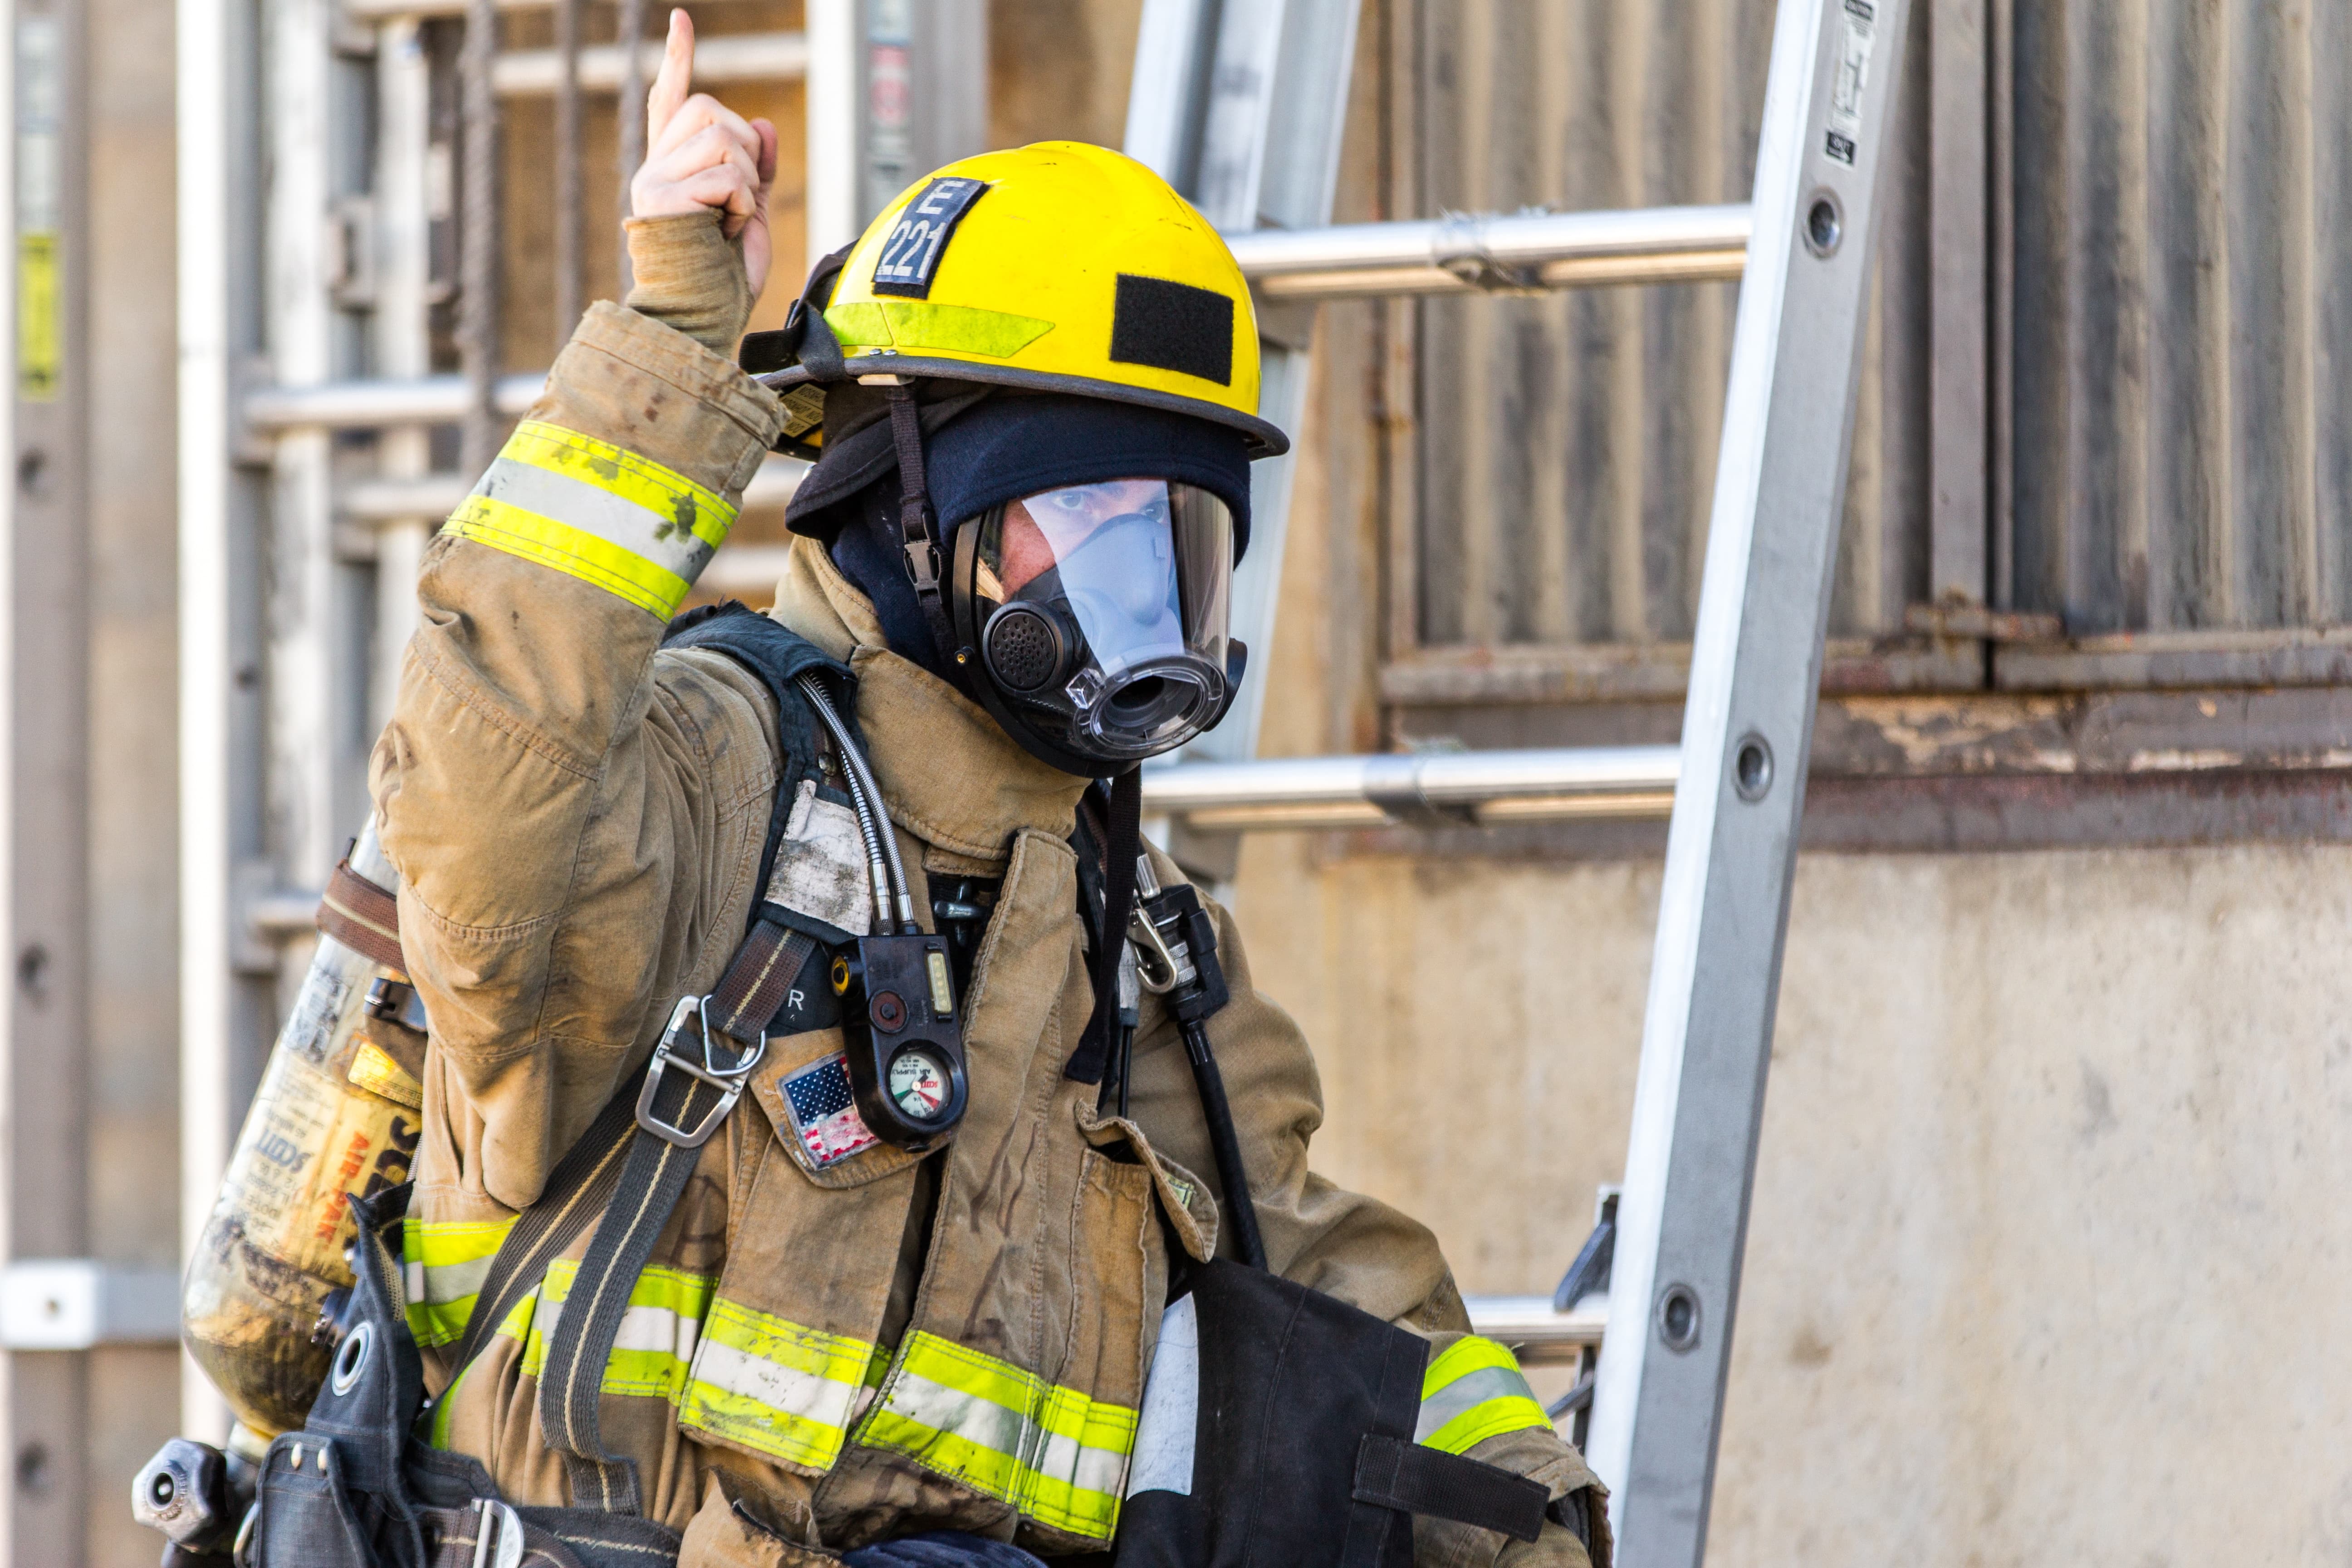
[{"x": 699, "y": 153}]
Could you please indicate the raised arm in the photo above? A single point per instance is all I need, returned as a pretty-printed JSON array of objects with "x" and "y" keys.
[{"x": 556, "y": 797}]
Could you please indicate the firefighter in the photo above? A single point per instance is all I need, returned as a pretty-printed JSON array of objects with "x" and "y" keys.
[{"x": 1032, "y": 389}]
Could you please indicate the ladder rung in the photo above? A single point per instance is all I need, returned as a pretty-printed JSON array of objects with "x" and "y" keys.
[
  {"x": 1540, "y": 1336},
  {"x": 719, "y": 60},
  {"x": 384, "y": 10},
  {"x": 362, "y": 405},
  {"x": 1421, "y": 789},
  {"x": 1646, "y": 245},
  {"x": 1510, "y": 253}
]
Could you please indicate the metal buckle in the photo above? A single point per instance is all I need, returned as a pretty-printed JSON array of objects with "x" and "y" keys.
[{"x": 729, "y": 1080}]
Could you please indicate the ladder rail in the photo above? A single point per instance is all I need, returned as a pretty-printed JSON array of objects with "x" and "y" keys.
[{"x": 1746, "y": 736}]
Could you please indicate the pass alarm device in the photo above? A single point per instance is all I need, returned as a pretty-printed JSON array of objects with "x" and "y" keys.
[
  {"x": 905, "y": 1041},
  {"x": 896, "y": 986}
]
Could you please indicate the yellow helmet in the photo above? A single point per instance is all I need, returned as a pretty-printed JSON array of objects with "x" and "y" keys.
[{"x": 1059, "y": 267}]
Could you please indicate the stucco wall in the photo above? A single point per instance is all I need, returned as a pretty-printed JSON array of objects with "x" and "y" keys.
[{"x": 2048, "y": 1242}]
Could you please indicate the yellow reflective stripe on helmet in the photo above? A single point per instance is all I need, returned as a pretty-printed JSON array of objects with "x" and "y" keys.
[
  {"x": 444, "y": 1262},
  {"x": 1474, "y": 1391},
  {"x": 908, "y": 324},
  {"x": 774, "y": 1386},
  {"x": 595, "y": 512},
  {"x": 1056, "y": 1454},
  {"x": 659, "y": 1332}
]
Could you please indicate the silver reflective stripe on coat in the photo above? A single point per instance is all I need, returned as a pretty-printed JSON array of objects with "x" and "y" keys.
[
  {"x": 658, "y": 537},
  {"x": 1170, "y": 1422}
]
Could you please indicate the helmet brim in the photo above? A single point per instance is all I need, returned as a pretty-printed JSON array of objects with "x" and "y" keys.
[{"x": 1265, "y": 438}]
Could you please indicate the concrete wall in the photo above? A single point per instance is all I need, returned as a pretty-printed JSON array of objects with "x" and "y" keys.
[{"x": 2047, "y": 1246}]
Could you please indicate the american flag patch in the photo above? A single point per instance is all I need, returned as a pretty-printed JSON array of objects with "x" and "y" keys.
[{"x": 824, "y": 1113}]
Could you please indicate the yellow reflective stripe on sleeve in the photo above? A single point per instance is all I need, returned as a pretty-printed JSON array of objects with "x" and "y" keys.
[
  {"x": 595, "y": 512},
  {"x": 774, "y": 1386},
  {"x": 1054, "y": 1453},
  {"x": 1474, "y": 1391},
  {"x": 444, "y": 1262},
  {"x": 659, "y": 1329},
  {"x": 623, "y": 474}
]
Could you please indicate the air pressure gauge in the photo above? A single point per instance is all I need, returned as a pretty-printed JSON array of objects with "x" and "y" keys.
[
  {"x": 905, "y": 1038},
  {"x": 921, "y": 1085}
]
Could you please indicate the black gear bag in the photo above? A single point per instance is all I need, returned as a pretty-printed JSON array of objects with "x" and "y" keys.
[{"x": 1301, "y": 1451}]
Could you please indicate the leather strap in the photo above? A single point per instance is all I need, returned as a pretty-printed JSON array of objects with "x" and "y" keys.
[
  {"x": 1410, "y": 1479},
  {"x": 752, "y": 990},
  {"x": 363, "y": 917},
  {"x": 570, "y": 1385}
]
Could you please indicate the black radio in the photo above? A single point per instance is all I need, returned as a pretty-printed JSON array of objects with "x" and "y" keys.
[{"x": 906, "y": 1041}]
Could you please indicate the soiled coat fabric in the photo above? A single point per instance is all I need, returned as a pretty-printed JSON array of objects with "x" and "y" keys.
[{"x": 577, "y": 817}]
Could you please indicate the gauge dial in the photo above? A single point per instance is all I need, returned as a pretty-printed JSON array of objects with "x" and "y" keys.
[{"x": 919, "y": 1085}]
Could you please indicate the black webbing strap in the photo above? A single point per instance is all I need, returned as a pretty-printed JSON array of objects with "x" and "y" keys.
[
  {"x": 571, "y": 1383},
  {"x": 918, "y": 532},
  {"x": 650, "y": 1182},
  {"x": 1123, "y": 838},
  {"x": 1410, "y": 1479},
  {"x": 577, "y": 1190}
]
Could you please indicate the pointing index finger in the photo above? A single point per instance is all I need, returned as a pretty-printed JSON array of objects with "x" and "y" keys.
[{"x": 676, "y": 78}]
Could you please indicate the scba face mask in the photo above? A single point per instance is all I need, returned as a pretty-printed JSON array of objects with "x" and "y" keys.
[{"x": 1099, "y": 614}]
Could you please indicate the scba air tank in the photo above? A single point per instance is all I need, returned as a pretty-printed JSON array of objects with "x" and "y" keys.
[{"x": 339, "y": 1112}]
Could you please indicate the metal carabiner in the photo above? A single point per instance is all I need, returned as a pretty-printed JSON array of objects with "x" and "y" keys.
[
  {"x": 728, "y": 1080},
  {"x": 1157, "y": 969}
]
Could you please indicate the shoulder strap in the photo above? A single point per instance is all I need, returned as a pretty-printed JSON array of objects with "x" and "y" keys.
[
  {"x": 779, "y": 656},
  {"x": 696, "y": 1075}
]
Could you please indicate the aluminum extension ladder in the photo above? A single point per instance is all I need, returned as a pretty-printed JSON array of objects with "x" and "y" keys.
[{"x": 1241, "y": 107}]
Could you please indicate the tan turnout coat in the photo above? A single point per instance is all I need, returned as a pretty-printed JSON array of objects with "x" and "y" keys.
[{"x": 578, "y": 818}]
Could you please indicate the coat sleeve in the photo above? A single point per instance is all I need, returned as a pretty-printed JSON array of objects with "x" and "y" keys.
[
  {"x": 1475, "y": 1401},
  {"x": 567, "y": 808}
]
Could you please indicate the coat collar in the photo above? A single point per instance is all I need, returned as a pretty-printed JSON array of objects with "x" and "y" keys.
[{"x": 949, "y": 775}]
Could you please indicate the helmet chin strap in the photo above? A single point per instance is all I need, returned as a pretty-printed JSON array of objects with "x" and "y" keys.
[{"x": 918, "y": 530}]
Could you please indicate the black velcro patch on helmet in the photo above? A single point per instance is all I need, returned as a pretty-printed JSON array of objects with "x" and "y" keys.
[{"x": 1173, "y": 326}]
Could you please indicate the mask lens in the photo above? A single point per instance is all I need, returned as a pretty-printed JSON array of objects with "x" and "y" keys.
[{"x": 1126, "y": 584}]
